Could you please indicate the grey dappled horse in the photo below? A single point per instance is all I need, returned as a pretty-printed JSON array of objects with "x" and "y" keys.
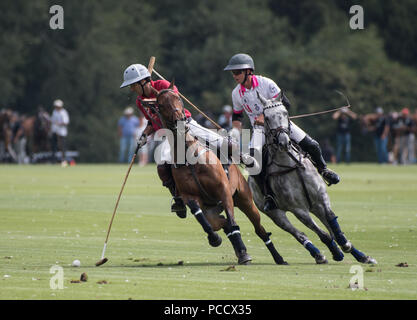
[{"x": 297, "y": 187}]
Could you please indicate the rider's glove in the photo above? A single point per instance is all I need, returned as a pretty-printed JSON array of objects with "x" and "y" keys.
[
  {"x": 141, "y": 141},
  {"x": 234, "y": 135}
]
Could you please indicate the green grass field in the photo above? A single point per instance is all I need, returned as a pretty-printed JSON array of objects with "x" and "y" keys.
[{"x": 52, "y": 215}]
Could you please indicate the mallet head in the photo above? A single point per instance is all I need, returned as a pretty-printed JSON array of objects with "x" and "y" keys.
[{"x": 101, "y": 261}]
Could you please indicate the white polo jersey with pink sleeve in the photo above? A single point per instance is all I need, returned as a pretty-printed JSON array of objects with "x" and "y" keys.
[{"x": 247, "y": 100}]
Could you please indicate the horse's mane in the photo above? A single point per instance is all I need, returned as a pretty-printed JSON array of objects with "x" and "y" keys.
[{"x": 163, "y": 91}]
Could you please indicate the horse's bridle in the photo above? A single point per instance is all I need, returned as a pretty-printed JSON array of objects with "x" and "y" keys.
[
  {"x": 172, "y": 123},
  {"x": 275, "y": 132}
]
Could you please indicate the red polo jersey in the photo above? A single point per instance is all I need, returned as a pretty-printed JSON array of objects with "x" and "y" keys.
[{"x": 149, "y": 115}]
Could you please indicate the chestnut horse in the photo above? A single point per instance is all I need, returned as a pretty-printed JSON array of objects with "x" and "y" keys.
[
  {"x": 206, "y": 188},
  {"x": 37, "y": 130},
  {"x": 6, "y": 134}
]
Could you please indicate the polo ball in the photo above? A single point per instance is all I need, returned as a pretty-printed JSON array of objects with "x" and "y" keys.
[{"x": 76, "y": 263}]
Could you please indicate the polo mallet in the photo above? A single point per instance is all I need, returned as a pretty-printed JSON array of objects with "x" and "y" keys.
[
  {"x": 326, "y": 111},
  {"x": 103, "y": 260},
  {"x": 194, "y": 106},
  {"x": 190, "y": 103}
]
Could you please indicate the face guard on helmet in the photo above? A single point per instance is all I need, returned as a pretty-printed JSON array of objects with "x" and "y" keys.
[{"x": 134, "y": 73}]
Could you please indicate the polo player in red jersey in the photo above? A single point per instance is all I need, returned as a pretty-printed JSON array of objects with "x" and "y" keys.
[{"x": 138, "y": 78}]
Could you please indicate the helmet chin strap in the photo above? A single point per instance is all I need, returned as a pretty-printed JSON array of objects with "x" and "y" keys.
[
  {"x": 143, "y": 86},
  {"x": 246, "y": 77}
]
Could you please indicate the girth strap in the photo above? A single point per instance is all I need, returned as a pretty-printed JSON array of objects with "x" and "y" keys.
[
  {"x": 205, "y": 194},
  {"x": 297, "y": 168},
  {"x": 304, "y": 187}
]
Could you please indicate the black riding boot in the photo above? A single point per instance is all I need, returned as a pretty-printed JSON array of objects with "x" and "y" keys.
[
  {"x": 260, "y": 179},
  {"x": 312, "y": 147},
  {"x": 269, "y": 202},
  {"x": 164, "y": 172}
]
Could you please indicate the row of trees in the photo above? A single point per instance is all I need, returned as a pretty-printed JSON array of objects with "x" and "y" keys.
[{"x": 306, "y": 46}]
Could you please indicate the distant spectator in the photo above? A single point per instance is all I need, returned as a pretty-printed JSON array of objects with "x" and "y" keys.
[
  {"x": 378, "y": 124},
  {"x": 59, "y": 121},
  {"x": 395, "y": 135},
  {"x": 414, "y": 117},
  {"x": 406, "y": 130},
  {"x": 328, "y": 151},
  {"x": 143, "y": 152},
  {"x": 203, "y": 121},
  {"x": 225, "y": 120},
  {"x": 344, "y": 118},
  {"x": 127, "y": 130},
  {"x": 18, "y": 137}
]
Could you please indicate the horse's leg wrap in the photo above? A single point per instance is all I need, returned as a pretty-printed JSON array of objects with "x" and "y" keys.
[
  {"x": 233, "y": 233},
  {"x": 311, "y": 248},
  {"x": 277, "y": 257},
  {"x": 314, "y": 252},
  {"x": 214, "y": 239},
  {"x": 198, "y": 214},
  {"x": 340, "y": 238},
  {"x": 334, "y": 249},
  {"x": 359, "y": 256}
]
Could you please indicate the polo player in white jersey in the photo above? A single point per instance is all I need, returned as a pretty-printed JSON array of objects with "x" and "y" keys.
[{"x": 244, "y": 97}]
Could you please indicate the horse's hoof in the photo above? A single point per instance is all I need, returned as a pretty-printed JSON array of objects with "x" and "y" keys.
[
  {"x": 347, "y": 247},
  {"x": 244, "y": 258},
  {"x": 321, "y": 259},
  {"x": 182, "y": 214},
  {"x": 214, "y": 239},
  {"x": 280, "y": 260},
  {"x": 245, "y": 261},
  {"x": 338, "y": 257},
  {"x": 369, "y": 260}
]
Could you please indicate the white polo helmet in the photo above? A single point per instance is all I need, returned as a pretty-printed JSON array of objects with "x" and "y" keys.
[{"x": 134, "y": 73}]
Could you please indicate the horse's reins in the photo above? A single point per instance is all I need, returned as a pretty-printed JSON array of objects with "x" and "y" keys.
[
  {"x": 192, "y": 168},
  {"x": 190, "y": 124},
  {"x": 298, "y": 164}
]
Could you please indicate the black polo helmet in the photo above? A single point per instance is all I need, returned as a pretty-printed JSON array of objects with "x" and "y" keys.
[{"x": 240, "y": 61}]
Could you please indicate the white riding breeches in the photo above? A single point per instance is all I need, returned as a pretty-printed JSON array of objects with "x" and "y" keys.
[{"x": 211, "y": 137}]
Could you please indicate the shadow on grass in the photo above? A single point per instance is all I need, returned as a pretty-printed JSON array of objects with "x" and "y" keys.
[{"x": 202, "y": 264}]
